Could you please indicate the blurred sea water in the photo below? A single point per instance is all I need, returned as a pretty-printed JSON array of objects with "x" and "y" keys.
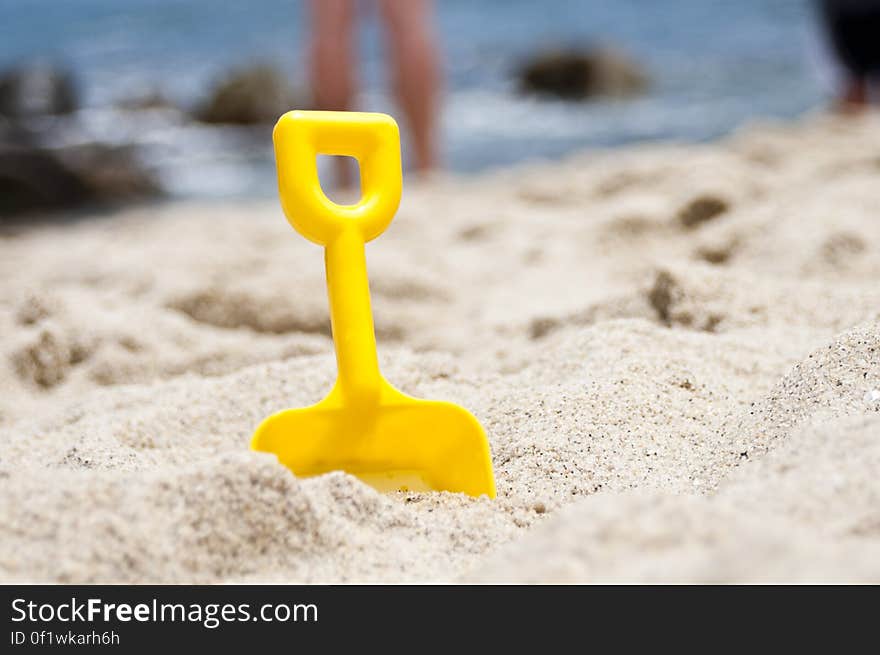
[{"x": 714, "y": 65}]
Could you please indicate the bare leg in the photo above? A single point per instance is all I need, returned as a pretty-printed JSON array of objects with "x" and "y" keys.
[
  {"x": 417, "y": 76},
  {"x": 333, "y": 63}
]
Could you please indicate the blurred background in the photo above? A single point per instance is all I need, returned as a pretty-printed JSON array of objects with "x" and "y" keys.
[{"x": 156, "y": 95}]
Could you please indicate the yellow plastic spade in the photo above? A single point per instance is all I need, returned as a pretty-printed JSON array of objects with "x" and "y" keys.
[{"x": 364, "y": 426}]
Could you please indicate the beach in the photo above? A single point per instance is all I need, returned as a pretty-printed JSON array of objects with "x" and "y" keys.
[{"x": 674, "y": 350}]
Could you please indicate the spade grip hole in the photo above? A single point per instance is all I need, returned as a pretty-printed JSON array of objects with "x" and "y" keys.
[{"x": 341, "y": 175}]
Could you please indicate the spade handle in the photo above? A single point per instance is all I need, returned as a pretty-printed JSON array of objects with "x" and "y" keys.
[{"x": 374, "y": 140}]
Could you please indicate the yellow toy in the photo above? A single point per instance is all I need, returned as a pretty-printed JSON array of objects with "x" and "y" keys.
[{"x": 364, "y": 426}]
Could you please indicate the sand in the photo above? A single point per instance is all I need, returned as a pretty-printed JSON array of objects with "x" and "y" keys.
[{"x": 675, "y": 351}]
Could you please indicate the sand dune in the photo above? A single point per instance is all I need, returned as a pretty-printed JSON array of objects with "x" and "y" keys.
[{"x": 675, "y": 351}]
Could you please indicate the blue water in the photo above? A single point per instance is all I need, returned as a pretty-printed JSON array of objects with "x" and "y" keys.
[{"x": 715, "y": 64}]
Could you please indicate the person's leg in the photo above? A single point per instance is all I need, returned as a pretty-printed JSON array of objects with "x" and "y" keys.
[
  {"x": 417, "y": 74},
  {"x": 333, "y": 63},
  {"x": 853, "y": 35}
]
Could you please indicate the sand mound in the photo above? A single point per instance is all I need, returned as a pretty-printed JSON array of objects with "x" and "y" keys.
[
  {"x": 806, "y": 513},
  {"x": 657, "y": 539},
  {"x": 841, "y": 379},
  {"x": 823, "y": 476},
  {"x": 253, "y": 502},
  {"x": 675, "y": 351}
]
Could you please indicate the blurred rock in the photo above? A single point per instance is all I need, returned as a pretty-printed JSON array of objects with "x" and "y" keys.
[
  {"x": 35, "y": 178},
  {"x": 249, "y": 96},
  {"x": 111, "y": 173},
  {"x": 36, "y": 90},
  {"x": 582, "y": 74}
]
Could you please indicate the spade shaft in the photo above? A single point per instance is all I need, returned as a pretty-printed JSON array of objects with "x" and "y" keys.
[{"x": 351, "y": 318}]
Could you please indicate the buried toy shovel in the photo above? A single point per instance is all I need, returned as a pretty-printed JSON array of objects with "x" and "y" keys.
[{"x": 364, "y": 426}]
